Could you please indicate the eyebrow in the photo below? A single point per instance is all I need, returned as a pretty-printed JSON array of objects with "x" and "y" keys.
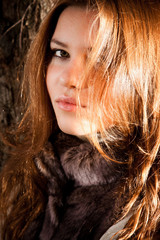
[{"x": 59, "y": 43}]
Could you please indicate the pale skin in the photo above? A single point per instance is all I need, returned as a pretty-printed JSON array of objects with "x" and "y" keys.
[{"x": 70, "y": 44}]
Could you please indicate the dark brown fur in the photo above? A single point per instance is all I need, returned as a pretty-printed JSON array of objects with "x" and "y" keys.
[{"x": 82, "y": 191}]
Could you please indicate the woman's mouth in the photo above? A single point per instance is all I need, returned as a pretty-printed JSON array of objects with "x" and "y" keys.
[{"x": 67, "y": 104}]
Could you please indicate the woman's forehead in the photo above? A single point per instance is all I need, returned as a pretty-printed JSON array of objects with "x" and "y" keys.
[{"x": 75, "y": 23}]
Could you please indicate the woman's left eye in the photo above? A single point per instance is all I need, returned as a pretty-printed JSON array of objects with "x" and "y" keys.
[{"x": 60, "y": 53}]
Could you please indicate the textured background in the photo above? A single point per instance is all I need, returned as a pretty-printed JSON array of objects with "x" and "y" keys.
[{"x": 19, "y": 21}]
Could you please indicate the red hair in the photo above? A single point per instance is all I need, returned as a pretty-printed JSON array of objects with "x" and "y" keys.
[{"x": 127, "y": 45}]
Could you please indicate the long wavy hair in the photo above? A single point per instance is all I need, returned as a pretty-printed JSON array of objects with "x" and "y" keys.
[{"x": 124, "y": 66}]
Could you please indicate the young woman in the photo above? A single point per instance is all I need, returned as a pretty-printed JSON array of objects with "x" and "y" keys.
[{"x": 86, "y": 159}]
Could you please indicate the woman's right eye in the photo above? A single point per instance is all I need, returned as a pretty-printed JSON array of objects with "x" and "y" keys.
[{"x": 60, "y": 53}]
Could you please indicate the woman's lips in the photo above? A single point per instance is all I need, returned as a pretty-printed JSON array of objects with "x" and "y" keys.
[{"x": 67, "y": 104}]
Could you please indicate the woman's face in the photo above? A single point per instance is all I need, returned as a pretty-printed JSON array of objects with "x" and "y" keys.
[{"x": 69, "y": 45}]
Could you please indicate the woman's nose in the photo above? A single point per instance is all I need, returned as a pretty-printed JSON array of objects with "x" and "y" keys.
[{"x": 73, "y": 73}]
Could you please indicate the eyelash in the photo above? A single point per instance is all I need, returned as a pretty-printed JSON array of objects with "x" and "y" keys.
[{"x": 60, "y": 53}]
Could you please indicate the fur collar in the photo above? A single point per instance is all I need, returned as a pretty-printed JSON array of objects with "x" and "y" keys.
[{"x": 82, "y": 191}]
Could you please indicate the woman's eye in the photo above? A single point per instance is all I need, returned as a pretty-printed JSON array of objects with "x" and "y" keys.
[{"x": 60, "y": 53}]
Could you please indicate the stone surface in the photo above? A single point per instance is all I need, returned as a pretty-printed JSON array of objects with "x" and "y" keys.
[{"x": 19, "y": 22}]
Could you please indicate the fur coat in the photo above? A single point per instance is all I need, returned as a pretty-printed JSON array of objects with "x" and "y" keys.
[{"x": 83, "y": 198}]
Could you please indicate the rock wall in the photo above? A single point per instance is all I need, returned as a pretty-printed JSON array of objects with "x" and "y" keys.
[{"x": 19, "y": 22}]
